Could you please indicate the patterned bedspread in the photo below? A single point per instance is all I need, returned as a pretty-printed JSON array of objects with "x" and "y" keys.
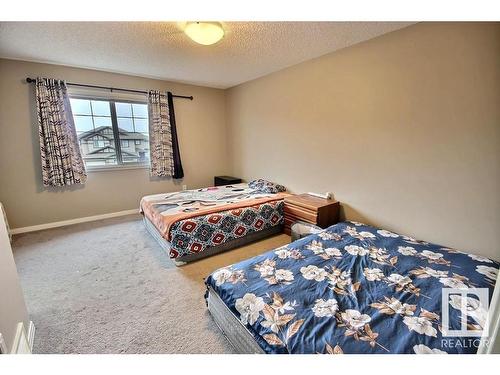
[
  {"x": 194, "y": 235},
  {"x": 195, "y": 220},
  {"x": 354, "y": 288}
]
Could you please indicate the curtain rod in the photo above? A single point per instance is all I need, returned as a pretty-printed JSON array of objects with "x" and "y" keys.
[{"x": 31, "y": 80}]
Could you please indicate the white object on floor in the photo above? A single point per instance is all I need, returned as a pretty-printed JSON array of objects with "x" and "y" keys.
[
  {"x": 31, "y": 335},
  {"x": 21, "y": 343},
  {"x": 489, "y": 343},
  {"x": 3, "y": 345}
]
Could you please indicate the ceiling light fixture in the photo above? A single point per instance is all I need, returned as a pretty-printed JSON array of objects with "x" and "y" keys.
[{"x": 205, "y": 33}]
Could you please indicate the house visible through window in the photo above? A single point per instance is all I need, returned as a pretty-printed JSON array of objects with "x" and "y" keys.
[{"x": 99, "y": 122}]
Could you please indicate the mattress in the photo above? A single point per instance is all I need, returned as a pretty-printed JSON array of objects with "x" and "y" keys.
[
  {"x": 240, "y": 338},
  {"x": 209, "y": 251},
  {"x": 196, "y": 223},
  {"x": 354, "y": 288}
]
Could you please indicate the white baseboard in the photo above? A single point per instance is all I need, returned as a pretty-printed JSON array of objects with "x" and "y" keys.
[{"x": 72, "y": 221}]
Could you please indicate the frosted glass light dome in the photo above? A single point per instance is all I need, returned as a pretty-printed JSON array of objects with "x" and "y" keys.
[{"x": 205, "y": 33}]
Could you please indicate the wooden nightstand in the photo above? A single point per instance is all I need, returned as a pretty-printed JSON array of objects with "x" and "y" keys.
[{"x": 304, "y": 207}]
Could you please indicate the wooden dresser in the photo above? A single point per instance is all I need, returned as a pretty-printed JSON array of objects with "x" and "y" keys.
[{"x": 304, "y": 207}]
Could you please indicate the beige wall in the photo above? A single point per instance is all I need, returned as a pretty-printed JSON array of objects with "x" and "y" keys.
[
  {"x": 404, "y": 129},
  {"x": 201, "y": 129}
]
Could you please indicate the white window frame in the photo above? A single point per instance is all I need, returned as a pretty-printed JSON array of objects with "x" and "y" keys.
[{"x": 112, "y": 98}]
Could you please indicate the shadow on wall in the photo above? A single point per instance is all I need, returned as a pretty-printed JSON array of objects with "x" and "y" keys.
[
  {"x": 36, "y": 139},
  {"x": 347, "y": 212},
  {"x": 176, "y": 182}
]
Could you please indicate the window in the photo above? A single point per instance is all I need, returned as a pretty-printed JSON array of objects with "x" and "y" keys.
[
  {"x": 99, "y": 122},
  {"x": 99, "y": 143}
]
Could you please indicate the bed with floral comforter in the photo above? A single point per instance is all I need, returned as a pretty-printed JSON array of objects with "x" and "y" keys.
[{"x": 353, "y": 288}]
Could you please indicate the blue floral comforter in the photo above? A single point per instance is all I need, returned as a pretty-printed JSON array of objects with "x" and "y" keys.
[{"x": 353, "y": 288}]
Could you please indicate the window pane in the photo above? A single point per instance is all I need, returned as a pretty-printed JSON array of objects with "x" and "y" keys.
[
  {"x": 83, "y": 123},
  {"x": 143, "y": 150},
  {"x": 95, "y": 131},
  {"x": 103, "y": 121},
  {"x": 141, "y": 125},
  {"x": 141, "y": 136},
  {"x": 137, "y": 147},
  {"x": 107, "y": 132},
  {"x": 140, "y": 156},
  {"x": 123, "y": 109},
  {"x": 125, "y": 124},
  {"x": 100, "y": 108},
  {"x": 100, "y": 143},
  {"x": 140, "y": 110},
  {"x": 98, "y": 149},
  {"x": 80, "y": 106}
]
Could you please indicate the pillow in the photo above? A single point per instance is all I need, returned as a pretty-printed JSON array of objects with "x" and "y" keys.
[{"x": 265, "y": 186}]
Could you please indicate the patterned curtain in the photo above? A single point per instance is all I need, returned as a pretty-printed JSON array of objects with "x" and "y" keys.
[
  {"x": 62, "y": 162},
  {"x": 164, "y": 146}
]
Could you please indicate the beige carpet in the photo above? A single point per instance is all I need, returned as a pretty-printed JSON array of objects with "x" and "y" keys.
[{"x": 108, "y": 287}]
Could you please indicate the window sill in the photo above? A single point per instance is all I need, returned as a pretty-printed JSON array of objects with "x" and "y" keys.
[{"x": 116, "y": 168}]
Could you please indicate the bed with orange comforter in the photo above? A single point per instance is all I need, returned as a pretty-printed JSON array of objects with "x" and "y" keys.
[{"x": 193, "y": 224}]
